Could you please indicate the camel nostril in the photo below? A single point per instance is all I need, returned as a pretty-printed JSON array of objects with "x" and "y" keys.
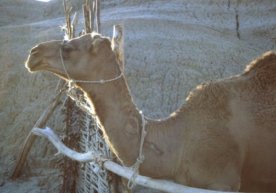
[{"x": 34, "y": 50}]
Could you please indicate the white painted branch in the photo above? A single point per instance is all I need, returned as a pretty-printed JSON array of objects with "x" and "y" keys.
[
  {"x": 125, "y": 172},
  {"x": 162, "y": 185},
  {"x": 63, "y": 149}
]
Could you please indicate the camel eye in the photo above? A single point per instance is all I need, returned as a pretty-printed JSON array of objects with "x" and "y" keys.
[{"x": 67, "y": 48}]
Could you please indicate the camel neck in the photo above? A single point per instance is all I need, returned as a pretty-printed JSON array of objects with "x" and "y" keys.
[
  {"x": 122, "y": 124},
  {"x": 118, "y": 115}
]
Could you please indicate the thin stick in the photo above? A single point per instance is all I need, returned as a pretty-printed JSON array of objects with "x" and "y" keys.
[
  {"x": 86, "y": 18},
  {"x": 31, "y": 137},
  {"x": 92, "y": 14},
  {"x": 98, "y": 15},
  {"x": 74, "y": 24},
  {"x": 67, "y": 12}
]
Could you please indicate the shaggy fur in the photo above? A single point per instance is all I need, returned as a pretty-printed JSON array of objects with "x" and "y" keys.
[{"x": 222, "y": 138}]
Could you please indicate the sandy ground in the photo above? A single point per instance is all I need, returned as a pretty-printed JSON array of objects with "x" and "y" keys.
[{"x": 170, "y": 47}]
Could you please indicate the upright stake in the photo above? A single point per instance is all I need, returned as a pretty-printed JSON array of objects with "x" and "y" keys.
[
  {"x": 98, "y": 15},
  {"x": 92, "y": 14},
  {"x": 31, "y": 137},
  {"x": 87, "y": 17}
]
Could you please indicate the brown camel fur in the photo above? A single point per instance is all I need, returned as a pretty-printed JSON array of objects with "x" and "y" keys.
[{"x": 222, "y": 138}]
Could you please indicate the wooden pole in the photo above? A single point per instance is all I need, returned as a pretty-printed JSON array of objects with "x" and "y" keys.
[
  {"x": 71, "y": 138},
  {"x": 31, "y": 137},
  {"x": 92, "y": 15},
  {"x": 87, "y": 23},
  {"x": 98, "y": 15},
  {"x": 74, "y": 23},
  {"x": 67, "y": 12}
]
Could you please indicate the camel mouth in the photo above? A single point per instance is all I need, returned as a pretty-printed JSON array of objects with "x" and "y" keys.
[
  {"x": 40, "y": 65},
  {"x": 33, "y": 67},
  {"x": 33, "y": 63}
]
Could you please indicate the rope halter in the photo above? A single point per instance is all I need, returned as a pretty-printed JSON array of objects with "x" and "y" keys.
[
  {"x": 140, "y": 159},
  {"x": 72, "y": 82}
]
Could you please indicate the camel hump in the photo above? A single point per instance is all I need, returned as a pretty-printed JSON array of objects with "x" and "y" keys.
[
  {"x": 265, "y": 62},
  {"x": 261, "y": 71},
  {"x": 209, "y": 96}
]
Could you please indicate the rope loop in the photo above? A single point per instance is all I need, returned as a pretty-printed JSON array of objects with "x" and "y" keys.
[
  {"x": 72, "y": 82},
  {"x": 131, "y": 182},
  {"x": 141, "y": 158}
]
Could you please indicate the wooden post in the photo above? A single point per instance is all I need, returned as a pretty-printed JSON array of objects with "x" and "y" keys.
[
  {"x": 87, "y": 23},
  {"x": 71, "y": 138},
  {"x": 74, "y": 23},
  {"x": 98, "y": 16},
  {"x": 91, "y": 12},
  {"x": 31, "y": 137},
  {"x": 92, "y": 15},
  {"x": 69, "y": 27}
]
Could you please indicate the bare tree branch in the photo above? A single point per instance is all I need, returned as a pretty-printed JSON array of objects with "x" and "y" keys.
[
  {"x": 92, "y": 14},
  {"x": 75, "y": 23},
  {"x": 54, "y": 139},
  {"x": 86, "y": 14},
  {"x": 67, "y": 12},
  {"x": 125, "y": 172},
  {"x": 98, "y": 16}
]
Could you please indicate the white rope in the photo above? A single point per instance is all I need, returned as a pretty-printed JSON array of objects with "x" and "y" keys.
[{"x": 131, "y": 182}]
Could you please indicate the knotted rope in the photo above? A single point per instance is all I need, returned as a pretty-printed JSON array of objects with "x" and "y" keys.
[
  {"x": 72, "y": 82},
  {"x": 141, "y": 157}
]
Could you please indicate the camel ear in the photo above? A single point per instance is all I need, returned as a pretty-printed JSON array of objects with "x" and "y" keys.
[
  {"x": 118, "y": 45},
  {"x": 99, "y": 44}
]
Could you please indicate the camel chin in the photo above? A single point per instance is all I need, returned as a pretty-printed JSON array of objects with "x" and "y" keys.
[
  {"x": 33, "y": 64},
  {"x": 34, "y": 69},
  {"x": 36, "y": 64},
  {"x": 30, "y": 69}
]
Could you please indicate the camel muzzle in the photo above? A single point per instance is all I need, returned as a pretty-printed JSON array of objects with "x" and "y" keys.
[{"x": 33, "y": 62}]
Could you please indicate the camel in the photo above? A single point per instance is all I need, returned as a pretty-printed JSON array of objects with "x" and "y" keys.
[{"x": 222, "y": 138}]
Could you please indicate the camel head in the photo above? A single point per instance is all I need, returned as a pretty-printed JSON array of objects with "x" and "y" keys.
[{"x": 89, "y": 57}]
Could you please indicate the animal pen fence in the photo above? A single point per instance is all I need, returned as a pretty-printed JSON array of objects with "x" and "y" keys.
[
  {"x": 82, "y": 130},
  {"x": 91, "y": 176},
  {"x": 93, "y": 173}
]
